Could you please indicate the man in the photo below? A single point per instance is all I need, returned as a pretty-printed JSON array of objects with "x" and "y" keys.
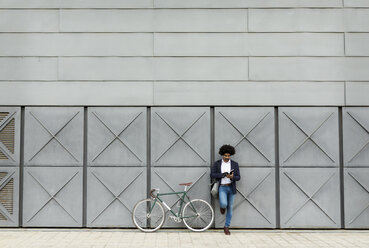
[{"x": 228, "y": 172}]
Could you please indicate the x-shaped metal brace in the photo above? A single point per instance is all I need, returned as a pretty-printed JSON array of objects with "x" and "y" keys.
[
  {"x": 116, "y": 135},
  {"x": 247, "y": 198},
  {"x": 244, "y": 136},
  {"x": 3, "y": 148},
  {"x": 4, "y": 181},
  {"x": 309, "y": 198},
  {"x": 308, "y": 137},
  {"x": 53, "y": 136},
  {"x": 180, "y": 136},
  {"x": 52, "y": 197},
  {"x": 366, "y": 190},
  {"x": 116, "y": 197},
  {"x": 365, "y": 129}
]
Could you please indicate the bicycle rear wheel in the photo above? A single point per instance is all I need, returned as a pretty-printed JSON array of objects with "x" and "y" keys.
[
  {"x": 198, "y": 215},
  {"x": 148, "y": 217}
]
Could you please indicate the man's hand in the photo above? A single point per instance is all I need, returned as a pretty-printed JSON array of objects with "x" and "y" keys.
[{"x": 230, "y": 176}]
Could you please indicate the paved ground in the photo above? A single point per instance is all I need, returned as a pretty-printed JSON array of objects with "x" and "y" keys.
[{"x": 107, "y": 238}]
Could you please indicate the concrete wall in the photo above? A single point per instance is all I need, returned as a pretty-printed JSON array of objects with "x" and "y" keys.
[{"x": 174, "y": 52}]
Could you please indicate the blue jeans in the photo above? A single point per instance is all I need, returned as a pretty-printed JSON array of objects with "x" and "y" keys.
[{"x": 226, "y": 199}]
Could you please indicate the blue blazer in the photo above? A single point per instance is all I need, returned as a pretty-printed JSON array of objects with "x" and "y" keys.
[{"x": 216, "y": 173}]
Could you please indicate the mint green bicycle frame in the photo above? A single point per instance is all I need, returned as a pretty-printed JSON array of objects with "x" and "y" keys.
[{"x": 182, "y": 198}]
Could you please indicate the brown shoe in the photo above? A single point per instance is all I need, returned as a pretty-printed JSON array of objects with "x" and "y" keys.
[
  {"x": 222, "y": 210},
  {"x": 226, "y": 231}
]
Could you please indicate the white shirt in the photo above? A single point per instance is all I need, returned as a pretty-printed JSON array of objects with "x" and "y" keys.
[{"x": 225, "y": 167}]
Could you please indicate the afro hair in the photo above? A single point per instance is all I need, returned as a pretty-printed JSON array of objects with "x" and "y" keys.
[{"x": 227, "y": 149}]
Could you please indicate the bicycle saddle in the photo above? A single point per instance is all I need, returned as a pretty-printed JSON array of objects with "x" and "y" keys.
[{"x": 185, "y": 184}]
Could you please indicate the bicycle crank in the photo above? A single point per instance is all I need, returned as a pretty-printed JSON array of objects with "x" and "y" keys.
[{"x": 176, "y": 219}]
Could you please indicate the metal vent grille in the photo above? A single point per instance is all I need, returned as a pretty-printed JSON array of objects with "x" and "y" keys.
[
  {"x": 3, "y": 115},
  {"x": 2, "y": 156},
  {"x": 6, "y": 196},
  {"x": 7, "y": 135},
  {"x": 2, "y": 217},
  {"x": 2, "y": 175}
]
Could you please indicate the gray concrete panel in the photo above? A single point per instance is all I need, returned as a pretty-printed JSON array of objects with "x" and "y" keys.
[
  {"x": 357, "y": 44},
  {"x": 245, "y": 44},
  {"x": 246, "y": 3},
  {"x": 112, "y": 194},
  {"x": 117, "y": 136},
  {"x": 201, "y": 44},
  {"x": 356, "y": 20},
  {"x": 76, "y": 93},
  {"x": 357, "y": 93},
  {"x": 198, "y": 20},
  {"x": 356, "y": 3},
  {"x": 9, "y": 136},
  {"x": 161, "y": 20},
  {"x": 250, "y": 93},
  {"x": 309, "y": 68},
  {"x": 356, "y": 136},
  {"x": 52, "y": 197},
  {"x": 76, "y": 4},
  {"x": 114, "y": 20},
  {"x": 180, "y": 136},
  {"x": 106, "y": 68},
  {"x": 356, "y": 197},
  {"x": 310, "y": 198},
  {"x": 73, "y": 44},
  {"x": 254, "y": 204},
  {"x": 356, "y": 68},
  {"x": 297, "y": 44},
  {"x": 201, "y": 68},
  {"x": 250, "y": 130},
  {"x": 9, "y": 197},
  {"x": 308, "y": 136},
  {"x": 134, "y": 68},
  {"x": 53, "y": 136},
  {"x": 308, "y": 20},
  {"x": 29, "y": 20},
  {"x": 168, "y": 180},
  {"x": 296, "y": 20},
  {"x": 19, "y": 68}
]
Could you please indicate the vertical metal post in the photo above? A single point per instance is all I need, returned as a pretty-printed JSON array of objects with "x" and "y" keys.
[
  {"x": 276, "y": 167},
  {"x": 21, "y": 166},
  {"x": 212, "y": 136},
  {"x": 148, "y": 158},
  {"x": 84, "y": 203},
  {"x": 212, "y": 147},
  {"x": 148, "y": 154},
  {"x": 342, "y": 188}
]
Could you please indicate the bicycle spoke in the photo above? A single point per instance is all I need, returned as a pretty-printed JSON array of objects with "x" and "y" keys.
[
  {"x": 198, "y": 215},
  {"x": 144, "y": 219}
]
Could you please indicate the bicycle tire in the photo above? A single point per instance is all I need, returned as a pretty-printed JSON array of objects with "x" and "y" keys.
[
  {"x": 148, "y": 222},
  {"x": 203, "y": 215}
]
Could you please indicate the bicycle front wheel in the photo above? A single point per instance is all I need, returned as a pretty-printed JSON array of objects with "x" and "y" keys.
[
  {"x": 198, "y": 215},
  {"x": 148, "y": 216}
]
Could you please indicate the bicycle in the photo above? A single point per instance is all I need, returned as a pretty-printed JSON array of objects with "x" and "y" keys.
[{"x": 148, "y": 215}]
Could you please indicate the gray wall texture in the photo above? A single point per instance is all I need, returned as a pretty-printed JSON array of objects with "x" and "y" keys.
[
  {"x": 101, "y": 100},
  {"x": 174, "y": 52}
]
